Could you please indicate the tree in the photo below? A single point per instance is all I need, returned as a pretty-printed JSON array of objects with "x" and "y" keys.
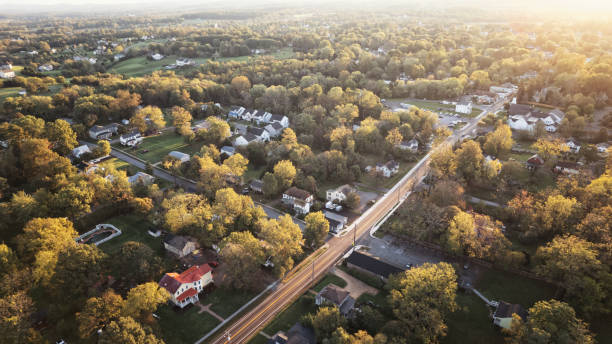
[
  {"x": 103, "y": 149},
  {"x": 574, "y": 263},
  {"x": 8, "y": 259},
  {"x": 421, "y": 298},
  {"x": 446, "y": 193},
  {"x": 284, "y": 171},
  {"x": 345, "y": 113},
  {"x": 144, "y": 299},
  {"x": 181, "y": 120},
  {"x": 352, "y": 200},
  {"x": 284, "y": 242},
  {"x": 550, "y": 149},
  {"x": 127, "y": 330},
  {"x": 241, "y": 84},
  {"x": 136, "y": 262},
  {"x": 469, "y": 160},
  {"x": 63, "y": 139},
  {"x": 326, "y": 321},
  {"x": 218, "y": 130},
  {"x": 550, "y": 322},
  {"x": 443, "y": 161},
  {"x": 15, "y": 318},
  {"x": 270, "y": 185},
  {"x": 316, "y": 229},
  {"x": 148, "y": 118},
  {"x": 394, "y": 137},
  {"x": 243, "y": 254},
  {"x": 499, "y": 142},
  {"x": 98, "y": 312}
]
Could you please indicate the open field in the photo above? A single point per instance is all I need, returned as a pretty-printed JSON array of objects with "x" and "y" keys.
[
  {"x": 504, "y": 286},
  {"x": 436, "y": 106},
  {"x": 226, "y": 301},
  {"x": 9, "y": 92},
  {"x": 133, "y": 228},
  {"x": 471, "y": 323},
  {"x": 159, "y": 146},
  {"x": 184, "y": 326}
]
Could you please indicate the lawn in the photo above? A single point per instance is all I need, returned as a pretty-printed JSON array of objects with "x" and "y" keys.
[
  {"x": 226, "y": 301},
  {"x": 184, "y": 327},
  {"x": 159, "y": 146},
  {"x": 504, "y": 286},
  {"x": 139, "y": 66},
  {"x": 376, "y": 182},
  {"x": 291, "y": 315},
  {"x": 380, "y": 299},
  {"x": 133, "y": 228},
  {"x": 434, "y": 105},
  {"x": 471, "y": 323},
  {"x": 253, "y": 172},
  {"x": 329, "y": 279},
  {"x": 9, "y": 92}
]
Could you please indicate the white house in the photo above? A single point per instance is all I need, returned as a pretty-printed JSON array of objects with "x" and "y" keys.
[
  {"x": 227, "y": 150},
  {"x": 98, "y": 132},
  {"x": 503, "y": 314},
  {"x": 282, "y": 120},
  {"x": 6, "y": 71},
  {"x": 300, "y": 200},
  {"x": 388, "y": 169},
  {"x": 333, "y": 294},
  {"x": 244, "y": 140},
  {"x": 567, "y": 167},
  {"x": 412, "y": 145},
  {"x": 185, "y": 287},
  {"x": 182, "y": 157},
  {"x": 573, "y": 146},
  {"x": 336, "y": 221},
  {"x": 504, "y": 89},
  {"x": 141, "y": 177},
  {"x": 179, "y": 245},
  {"x": 339, "y": 194},
  {"x": 525, "y": 117},
  {"x": 131, "y": 139},
  {"x": 262, "y": 134},
  {"x": 80, "y": 150},
  {"x": 274, "y": 129},
  {"x": 603, "y": 148},
  {"x": 45, "y": 68},
  {"x": 464, "y": 107},
  {"x": 184, "y": 62},
  {"x": 157, "y": 57},
  {"x": 236, "y": 112},
  {"x": 260, "y": 117}
]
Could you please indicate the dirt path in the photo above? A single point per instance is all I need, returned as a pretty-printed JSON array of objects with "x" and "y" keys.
[
  {"x": 354, "y": 286},
  {"x": 208, "y": 310}
]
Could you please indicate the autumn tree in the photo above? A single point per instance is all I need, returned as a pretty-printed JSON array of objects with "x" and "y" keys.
[
  {"x": 550, "y": 149},
  {"x": 550, "y": 322},
  {"x": 181, "y": 120},
  {"x": 63, "y": 139},
  {"x": 148, "y": 118},
  {"x": 469, "y": 160},
  {"x": 243, "y": 254},
  {"x": 127, "y": 330},
  {"x": 16, "y": 311},
  {"x": 352, "y": 200},
  {"x": 421, "y": 298},
  {"x": 216, "y": 131},
  {"x": 283, "y": 239},
  {"x": 499, "y": 142},
  {"x": 326, "y": 321},
  {"x": 443, "y": 161},
  {"x": 316, "y": 229},
  {"x": 285, "y": 172},
  {"x": 137, "y": 262},
  {"x": 144, "y": 299},
  {"x": 98, "y": 312}
]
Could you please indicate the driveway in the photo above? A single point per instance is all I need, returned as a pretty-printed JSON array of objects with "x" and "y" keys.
[
  {"x": 364, "y": 198},
  {"x": 354, "y": 286}
]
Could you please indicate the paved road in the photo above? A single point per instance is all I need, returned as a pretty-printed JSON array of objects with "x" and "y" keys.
[{"x": 252, "y": 322}]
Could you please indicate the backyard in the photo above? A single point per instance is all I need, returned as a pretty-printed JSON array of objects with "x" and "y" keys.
[
  {"x": 434, "y": 105},
  {"x": 226, "y": 301},
  {"x": 471, "y": 322},
  {"x": 9, "y": 92},
  {"x": 184, "y": 326},
  {"x": 133, "y": 228},
  {"x": 154, "y": 148}
]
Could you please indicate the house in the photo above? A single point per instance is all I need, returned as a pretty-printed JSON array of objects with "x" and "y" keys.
[
  {"x": 157, "y": 57},
  {"x": 603, "y": 148},
  {"x": 336, "y": 221},
  {"x": 504, "y": 89},
  {"x": 184, "y": 62},
  {"x": 534, "y": 162},
  {"x": 131, "y": 139},
  {"x": 332, "y": 294},
  {"x": 388, "y": 169},
  {"x": 185, "y": 287},
  {"x": 280, "y": 119},
  {"x": 182, "y": 157},
  {"x": 141, "y": 177},
  {"x": 297, "y": 334},
  {"x": 179, "y": 245},
  {"x": 244, "y": 140},
  {"x": 371, "y": 265},
  {"x": 118, "y": 57},
  {"x": 339, "y": 194},
  {"x": 6, "y": 74},
  {"x": 574, "y": 147},
  {"x": 503, "y": 314},
  {"x": 236, "y": 112},
  {"x": 98, "y": 132},
  {"x": 274, "y": 129},
  {"x": 567, "y": 167},
  {"x": 525, "y": 117},
  {"x": 412, "y": 145},
  {"x": 260, "y": 117},
  {"x": 464, "y": 107},
  {"x": 45, "y": 68},
  {"x": 261, "y": 133},
  {"x": 299, "y": 200},
  {"x": 80, "y": 150},
  {"x": 228, "y": 151},
  {"x": 256, "y": 185}
]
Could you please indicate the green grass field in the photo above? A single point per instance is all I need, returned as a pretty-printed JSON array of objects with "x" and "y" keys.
[
  {"x": 159, "y": 146},
  {"x": 329, "y": 279},
  {"x": 291, "y": 315},
  {"x": 184, "y": 327},
  {"x": 471, "y": 323},
  {"x": 133, "y": 228},
  {"x": 9, "y": 92},
  {"x": 512, "y": 288},
  {"x": 434, "y": 105},
  {"x": 226, "y": 301}
]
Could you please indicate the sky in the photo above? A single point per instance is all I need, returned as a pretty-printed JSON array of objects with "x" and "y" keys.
[{"x": 93, "y": 6}]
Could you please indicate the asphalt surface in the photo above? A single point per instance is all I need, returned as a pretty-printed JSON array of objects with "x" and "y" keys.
[{"x": 288, "y": 290}]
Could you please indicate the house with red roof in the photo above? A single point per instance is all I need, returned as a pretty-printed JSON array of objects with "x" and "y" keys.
[{"x": 185, "y": 287}]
